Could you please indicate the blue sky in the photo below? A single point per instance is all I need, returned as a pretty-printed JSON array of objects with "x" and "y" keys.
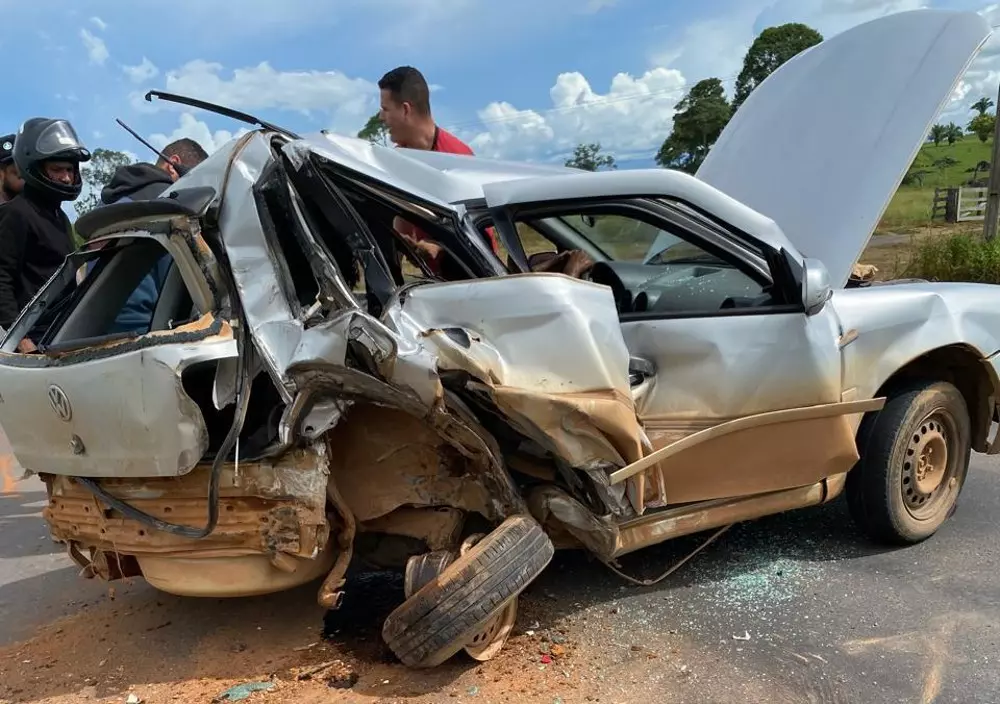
[{"x": 517, "y": 79}]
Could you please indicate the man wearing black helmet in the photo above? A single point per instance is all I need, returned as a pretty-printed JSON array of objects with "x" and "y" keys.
[
  {"x": 35, "y": 233},
  {"x": 11, "y": 183}
]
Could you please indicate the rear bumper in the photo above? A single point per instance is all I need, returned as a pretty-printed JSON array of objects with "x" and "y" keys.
[{"x": 273, "y": 531}]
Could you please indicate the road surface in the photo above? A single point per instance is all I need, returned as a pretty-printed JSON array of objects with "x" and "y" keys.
[{"x": 794, "y": 608}]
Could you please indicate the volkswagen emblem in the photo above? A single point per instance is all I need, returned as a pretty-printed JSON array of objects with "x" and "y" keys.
[{"x": 60, "y": 403}]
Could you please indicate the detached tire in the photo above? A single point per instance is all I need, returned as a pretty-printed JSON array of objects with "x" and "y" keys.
[
  {"x": 914, "y": 459},
  {"x": 443, "y": 615}
]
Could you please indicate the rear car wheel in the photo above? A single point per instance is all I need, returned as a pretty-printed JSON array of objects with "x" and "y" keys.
[
  {"x": 914, "y": 459},
  {"x": 470, "y": 602}
]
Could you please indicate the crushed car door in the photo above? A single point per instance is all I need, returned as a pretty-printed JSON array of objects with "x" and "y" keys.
[
  {"x": 737, "y": 388},
  {"x": 493, "y": 331}
]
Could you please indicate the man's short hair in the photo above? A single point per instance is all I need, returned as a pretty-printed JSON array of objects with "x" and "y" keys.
[
  {"x": 187, "y": 150},
  {"x": 407, "y": 85}
]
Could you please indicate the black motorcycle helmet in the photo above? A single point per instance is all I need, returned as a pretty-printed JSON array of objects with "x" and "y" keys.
[{"x": 41, "y": 139}]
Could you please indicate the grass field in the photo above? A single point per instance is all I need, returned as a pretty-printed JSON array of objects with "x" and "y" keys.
[{"x": 911, "y": 207}]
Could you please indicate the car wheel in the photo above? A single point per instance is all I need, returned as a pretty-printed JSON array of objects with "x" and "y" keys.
[
  {"x": 914, "y": 459},
  {"x": 469, "y": 604}
]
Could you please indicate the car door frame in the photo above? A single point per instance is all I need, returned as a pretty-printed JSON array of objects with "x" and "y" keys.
[{"x": 673, "y": 472}]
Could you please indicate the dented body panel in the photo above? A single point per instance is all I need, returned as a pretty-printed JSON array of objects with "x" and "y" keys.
[
  {"x": 146, "y": 425},
  {"x": 894, "y": 325}
]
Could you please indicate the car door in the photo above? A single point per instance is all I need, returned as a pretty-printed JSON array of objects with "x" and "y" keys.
[{"x": 737, "y": 388}]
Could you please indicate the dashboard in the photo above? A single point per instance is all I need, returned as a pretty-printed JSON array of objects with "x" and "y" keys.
[{"x": 679, "y": 286}]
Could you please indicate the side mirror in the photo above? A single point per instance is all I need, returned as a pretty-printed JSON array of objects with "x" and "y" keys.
[{"x": 816, "y": 288}]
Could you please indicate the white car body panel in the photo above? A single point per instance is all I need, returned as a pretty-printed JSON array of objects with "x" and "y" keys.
[{"x": 822, "y": 144}]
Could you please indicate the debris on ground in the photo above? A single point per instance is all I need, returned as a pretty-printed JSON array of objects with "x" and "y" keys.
[
  {"x": 745, "y": 636},
  {"x": 343, "y": 680},
  {"x": 243, "y": 691},
  {"x": 335, "y": 673},
  {"x": 133, "y": 699}
]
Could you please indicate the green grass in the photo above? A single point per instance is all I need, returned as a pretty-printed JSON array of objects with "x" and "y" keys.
[
  {"x": 958, "y": 257},
  {"x": 911, "y": 206}
]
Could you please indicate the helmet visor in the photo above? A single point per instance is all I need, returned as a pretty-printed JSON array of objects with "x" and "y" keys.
[{"x": 57, "y": 139}]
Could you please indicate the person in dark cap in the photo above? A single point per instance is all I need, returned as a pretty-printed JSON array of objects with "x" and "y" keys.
[
  {"x": 35, "y": 233},
  {"x": 11, "y": 183}
]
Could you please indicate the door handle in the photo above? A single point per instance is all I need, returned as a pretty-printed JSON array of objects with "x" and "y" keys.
[{"x": 639, "y": 370}]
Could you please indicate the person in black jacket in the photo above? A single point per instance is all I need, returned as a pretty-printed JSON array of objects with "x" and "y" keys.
[
  {"x": 145, "y": 181},
  {"x": 11, "y": 183},
  {"x": 35, "y": 233}
]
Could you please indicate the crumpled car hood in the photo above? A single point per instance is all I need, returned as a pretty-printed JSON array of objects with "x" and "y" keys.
[{"x": 822, "y": 145}]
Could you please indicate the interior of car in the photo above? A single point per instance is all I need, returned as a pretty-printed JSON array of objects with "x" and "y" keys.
[{"x": 651, "y": 268}]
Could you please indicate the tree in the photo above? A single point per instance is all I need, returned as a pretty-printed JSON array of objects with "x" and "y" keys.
[
  {"x": 771, "y": 49},
  {"x": 375, "y": 131},
  {"x": 939, "y": 133},
  {"x": 700, "y": 118},
  {"x": 920, "y": 168},
  {"x": 96, "y": 174},
  {"x": 982, "y": 126},
  {"x": 953, "y": 133},
  {"x": 982, "y": 105},
  {"x": 589, "y": 158},
  {"x": 983, "y": 167},
  {"x": 945, "y": 162}
]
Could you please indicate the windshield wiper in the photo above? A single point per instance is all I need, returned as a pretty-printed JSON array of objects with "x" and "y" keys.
[{"x": 219, "y": 110}]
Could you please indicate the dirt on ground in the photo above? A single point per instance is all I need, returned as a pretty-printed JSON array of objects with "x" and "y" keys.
[{"x": 137, "y": 645}]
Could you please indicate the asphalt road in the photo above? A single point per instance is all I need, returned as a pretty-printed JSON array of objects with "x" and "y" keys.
[{"x": 799, "y": 605}]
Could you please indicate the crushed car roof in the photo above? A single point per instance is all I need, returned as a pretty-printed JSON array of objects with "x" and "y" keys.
[{"x": 433, "y": 176}]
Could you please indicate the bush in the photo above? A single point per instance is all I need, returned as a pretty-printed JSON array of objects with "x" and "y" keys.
[{"x": 959, "y": 257}]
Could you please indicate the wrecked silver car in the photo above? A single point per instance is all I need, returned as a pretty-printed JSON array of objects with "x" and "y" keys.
[{"x": 311, "y": 389}]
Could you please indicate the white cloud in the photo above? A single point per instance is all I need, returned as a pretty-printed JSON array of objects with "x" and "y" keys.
[
  {"x": 631, "y": 119},
  {"x": 598, "y": 5},
  {"x": 982, "y": 78},
  {"x": 99, "y": 23},
  {"x": 142, "y": 72},
  {"x": 193, "y": 128},
  {"x": 343, "y": 101},
  {"x": 716, "y": 46},
  {"x": 96, "y": 49}
]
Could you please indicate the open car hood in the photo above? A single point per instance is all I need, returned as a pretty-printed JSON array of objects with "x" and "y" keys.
[{"x": 822, "y": 145}]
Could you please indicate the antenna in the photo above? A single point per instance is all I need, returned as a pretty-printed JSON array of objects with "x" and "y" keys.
[{"x": 179, "y": 168}]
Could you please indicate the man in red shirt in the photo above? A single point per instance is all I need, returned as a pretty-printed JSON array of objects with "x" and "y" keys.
[{"x": 406, "y": 112}]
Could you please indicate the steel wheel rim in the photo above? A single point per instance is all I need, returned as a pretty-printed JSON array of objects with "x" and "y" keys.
[
  {"x": 930, "y": 468},
  {"x": 490, "y": 639}
]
